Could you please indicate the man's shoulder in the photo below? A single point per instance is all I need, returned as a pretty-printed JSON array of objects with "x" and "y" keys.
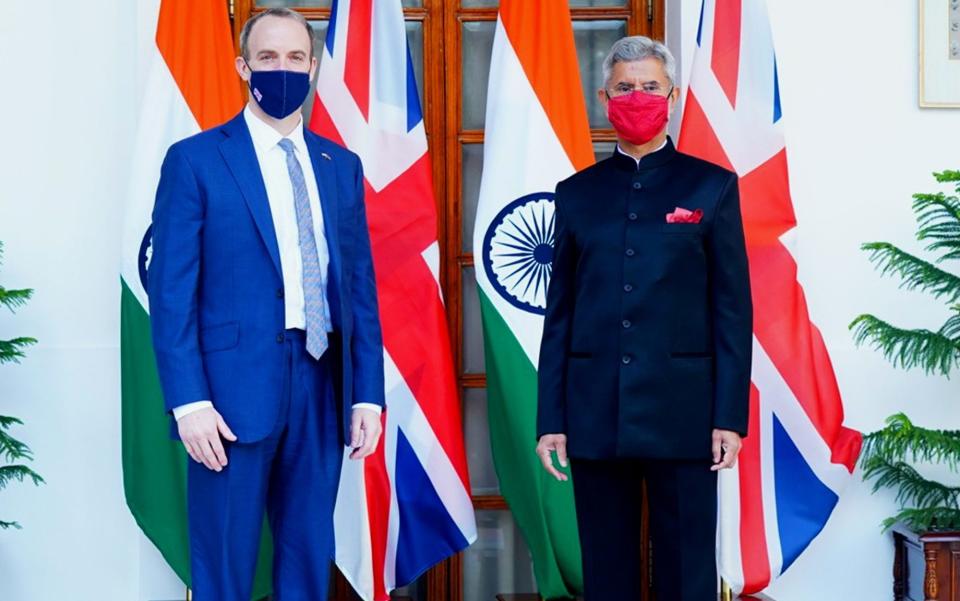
[
  {"x": 582, "y": 187},
  {"x": 586, "y": 177},
  {"x": 204, "y": 141},
  {"x": 696, "y": 167}
]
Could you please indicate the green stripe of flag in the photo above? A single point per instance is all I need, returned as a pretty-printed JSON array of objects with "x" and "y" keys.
[{"x": 543, "y": 507}]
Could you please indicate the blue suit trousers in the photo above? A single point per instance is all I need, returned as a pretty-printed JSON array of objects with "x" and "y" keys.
[{"x": 292, "y": 475}]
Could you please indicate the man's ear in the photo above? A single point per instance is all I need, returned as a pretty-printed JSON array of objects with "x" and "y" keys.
[
  {"x": 604, "y": 99},
  {"x": 674, "y": 98},
  {"x": 242, "y": 68}
]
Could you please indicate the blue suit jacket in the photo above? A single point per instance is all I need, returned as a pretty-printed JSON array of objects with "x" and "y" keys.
[{"x": 215, "y": 285}]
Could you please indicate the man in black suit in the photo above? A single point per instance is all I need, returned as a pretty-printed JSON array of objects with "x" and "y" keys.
[{"x": 644, "y": 367}]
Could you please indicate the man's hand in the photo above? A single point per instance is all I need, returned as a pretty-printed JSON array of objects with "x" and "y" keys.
[
  {"x": 547, "y": 445},
  {"x": 726, "y": 447},
  {"x": 365, "y": 430},
  {"x": 200, "y": 432}
]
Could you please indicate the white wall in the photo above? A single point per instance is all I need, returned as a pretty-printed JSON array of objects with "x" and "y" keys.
[
  {"x": 858, "y": 147},
  {"x": 67, "y": 112}
]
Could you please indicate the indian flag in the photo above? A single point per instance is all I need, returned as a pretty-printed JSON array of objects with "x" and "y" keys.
[
  {"x": 536, "y": 135},
  {"x": 189, "y": 85}
]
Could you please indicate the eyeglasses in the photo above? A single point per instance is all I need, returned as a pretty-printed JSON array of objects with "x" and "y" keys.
[{"x": 650, "y": 87}]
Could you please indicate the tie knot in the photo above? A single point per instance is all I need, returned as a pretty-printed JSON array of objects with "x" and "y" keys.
[{"x": 287, "y": 145}]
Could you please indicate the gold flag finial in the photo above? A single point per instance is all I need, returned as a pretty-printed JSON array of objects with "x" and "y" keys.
[{"x": 726, "y": 594}]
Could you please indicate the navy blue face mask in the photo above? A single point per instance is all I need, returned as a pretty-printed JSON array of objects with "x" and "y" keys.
[{"x": 279, "y": 93}]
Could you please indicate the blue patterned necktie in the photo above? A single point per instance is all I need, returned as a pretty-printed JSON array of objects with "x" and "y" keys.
[{"x": 312, "y": 280}]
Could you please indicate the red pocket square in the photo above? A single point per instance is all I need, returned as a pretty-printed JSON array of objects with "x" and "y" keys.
[{"x": 681, "y": 215}]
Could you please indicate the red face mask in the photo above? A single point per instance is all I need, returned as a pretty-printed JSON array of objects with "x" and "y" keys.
[{"x": 638, "y": 117}]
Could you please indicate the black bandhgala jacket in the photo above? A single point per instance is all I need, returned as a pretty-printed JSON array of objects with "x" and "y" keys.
[{"x": 647, "y": 337}]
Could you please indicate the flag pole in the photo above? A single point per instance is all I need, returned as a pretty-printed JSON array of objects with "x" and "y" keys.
[{"x": 726, "y": 593}]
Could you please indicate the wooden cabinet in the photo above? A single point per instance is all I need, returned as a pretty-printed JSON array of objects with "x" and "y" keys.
[{"x": 926, "y": 567}]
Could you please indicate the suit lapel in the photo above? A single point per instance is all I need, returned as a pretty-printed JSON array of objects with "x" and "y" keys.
[
  {"x": 237, "y": 151},
  {"x": 326, "y": 173}
]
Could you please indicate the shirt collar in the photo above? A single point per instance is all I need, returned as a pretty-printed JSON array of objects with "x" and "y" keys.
[{"x": 266, "y": 138}]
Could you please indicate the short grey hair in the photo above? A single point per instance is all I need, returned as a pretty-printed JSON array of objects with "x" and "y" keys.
[
  {"x": 283, "y": 13},
  {"x": 637, "y": 48}
]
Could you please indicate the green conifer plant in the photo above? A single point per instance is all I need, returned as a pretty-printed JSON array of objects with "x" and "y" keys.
[
  {"x": 889, "y": 454},
  {"x": 13, "y": 453}
]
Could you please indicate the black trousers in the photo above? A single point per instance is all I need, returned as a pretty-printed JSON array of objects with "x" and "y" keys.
[{"x": 683, "y": 526}]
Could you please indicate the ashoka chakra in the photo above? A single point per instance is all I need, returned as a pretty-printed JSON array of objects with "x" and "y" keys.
[{"x": 518, "y": 251}]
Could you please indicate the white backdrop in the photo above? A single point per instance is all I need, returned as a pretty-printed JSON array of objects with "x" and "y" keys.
[
  {"x": 858, "y": 147},
  {"x": 69, "y": 102}
]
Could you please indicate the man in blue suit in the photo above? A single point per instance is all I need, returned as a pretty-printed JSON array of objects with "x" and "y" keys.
[{"x": 265, "y": 324}]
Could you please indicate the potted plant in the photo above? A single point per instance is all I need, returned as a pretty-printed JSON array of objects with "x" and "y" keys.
[
  {"x": 13, "y": 452},
  {"x": 928, "y": 518}
]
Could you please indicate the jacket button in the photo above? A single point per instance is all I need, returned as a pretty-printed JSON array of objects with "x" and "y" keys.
[
  {"x": 632, "y": 216},
  {"x": 637, "y": 185},
  {"x": 630, "y": 252},
  {"x": 627, "y": 288},
  {"x": 626, "y": 359},
  {"x": 627, "y": 324},
  {"x": 279, "y": 292},
  {"x": 280, "y": 337}
]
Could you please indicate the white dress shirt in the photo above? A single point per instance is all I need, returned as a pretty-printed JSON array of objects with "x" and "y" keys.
[{"x": 276, "y": 180}]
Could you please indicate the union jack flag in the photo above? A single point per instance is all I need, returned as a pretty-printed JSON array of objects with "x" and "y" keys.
[
  {"x": 408, "y": 506},
  {"x": 798, "y": 456}
]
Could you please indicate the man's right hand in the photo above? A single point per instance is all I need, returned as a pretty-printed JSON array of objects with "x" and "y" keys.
[
  {"x": 548, "y": 444},
  {"x": 200, "y": 432}
]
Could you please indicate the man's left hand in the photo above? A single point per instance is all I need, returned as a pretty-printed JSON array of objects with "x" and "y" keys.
[
  {"x": 726, "y": 447},
  {"x": 365, "y": 430}
]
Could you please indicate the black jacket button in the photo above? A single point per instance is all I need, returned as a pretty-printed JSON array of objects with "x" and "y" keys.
[
  {"x": 626, "y": 359},
  {"x": 630, "y": 252},
  {"x": 280, "y": 337},
  {"x": 627, "y": 288},
  {"x": 626, "y": 324},
  {"x": 637, "y": 185},
  {"x": 632, "y": 216}
]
